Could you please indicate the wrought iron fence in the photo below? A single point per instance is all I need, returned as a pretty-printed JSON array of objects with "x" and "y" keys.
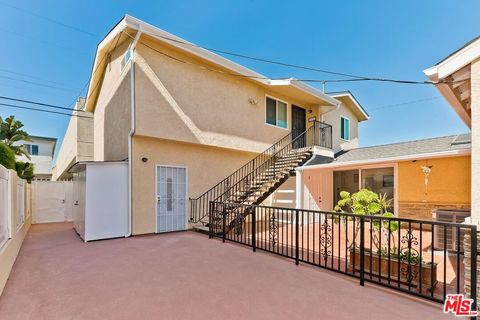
[{"x": 413, "y": 256}]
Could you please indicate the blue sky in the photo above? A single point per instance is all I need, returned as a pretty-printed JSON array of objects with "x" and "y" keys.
[{"x": 372, "y": 38}]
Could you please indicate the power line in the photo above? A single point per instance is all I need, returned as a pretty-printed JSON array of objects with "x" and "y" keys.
[
  {"x": 29, "y": 76},
  {"x": 46, "y": 43},
  {"x": 403, "y": 103},
  {"x": 41, "y": 110},
  {"x": 39, "y": 103},
  {"x": 36, "y": 83},
  {"x": 48, "y": 19},
  {"x": 357, "y": 78}
]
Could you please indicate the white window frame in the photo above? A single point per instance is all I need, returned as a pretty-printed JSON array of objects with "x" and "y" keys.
[
  {"x": 156, "y": 193},
  {"x": 341, "y": 120},
  {"x": 276, "y": 112}
]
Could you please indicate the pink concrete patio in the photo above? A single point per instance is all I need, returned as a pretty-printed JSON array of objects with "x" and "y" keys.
[{"x": 183, "y": 276}]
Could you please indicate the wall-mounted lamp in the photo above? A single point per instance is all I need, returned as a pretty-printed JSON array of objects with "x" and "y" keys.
[
  {"x": 426, "y": 172},
  {"x": 253, "y": 101},
  {"x": 144, "y": 159},
  {"x": 310, "y": 111}
]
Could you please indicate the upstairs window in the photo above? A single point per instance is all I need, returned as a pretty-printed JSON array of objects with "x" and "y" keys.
[
  {"x": 34, "y": 150},
  {"x": 344, "y": 128},
  {"x": 276, "y": 113}
]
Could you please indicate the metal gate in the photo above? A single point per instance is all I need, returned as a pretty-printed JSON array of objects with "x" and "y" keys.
[
  {"x": 171, "y": 197},
  {"x": 52, "y": 201}
]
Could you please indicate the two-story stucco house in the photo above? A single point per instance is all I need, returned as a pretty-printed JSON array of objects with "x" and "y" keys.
[
  {"x": 185, "y": 119},
  {"x": 41, "y": 150}
]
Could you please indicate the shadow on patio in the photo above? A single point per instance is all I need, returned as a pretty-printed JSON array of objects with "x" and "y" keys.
[{"x": 183, "y": 276}]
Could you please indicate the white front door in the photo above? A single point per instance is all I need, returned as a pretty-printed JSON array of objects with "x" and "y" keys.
[{"x": 171, "y": 198}]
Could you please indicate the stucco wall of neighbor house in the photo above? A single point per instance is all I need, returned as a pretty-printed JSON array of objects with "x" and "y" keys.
[
  {"x": 9, "y": 251},
  {"x": 333, "y": 118},
  {"x": 448, "y": 186},
  {"x": 183, "y": 102},
  {"x": 77, "y": 145},
  {"x": 205, "y": 165},
  {"x": 110, "y": 123}
]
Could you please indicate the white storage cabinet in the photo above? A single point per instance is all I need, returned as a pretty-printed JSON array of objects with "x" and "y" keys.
[{"x": 100, "y": 193}]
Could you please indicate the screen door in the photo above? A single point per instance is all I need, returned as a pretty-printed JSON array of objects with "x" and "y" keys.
[{"x": 171, "y": 198}]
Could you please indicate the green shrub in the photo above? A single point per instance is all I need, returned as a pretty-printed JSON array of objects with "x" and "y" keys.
[
  {"x": 7, "y": 156},
  {"x": 25, "y": 170}
]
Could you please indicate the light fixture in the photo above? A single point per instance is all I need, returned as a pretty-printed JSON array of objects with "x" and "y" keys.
[
  {"x": 253, "y": 101},
  {"x": 426, "y": 172},
  {"x": 144, "y": 159}
]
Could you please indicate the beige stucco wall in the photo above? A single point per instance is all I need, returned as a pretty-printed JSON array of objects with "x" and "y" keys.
[
  {"x": 180, "y": 101},
  {"x": 205, "y": 165},
  {"x": 333, "y": 118},
  {"x": 9, "y": 251},
  {"x": 110, "y": 122}
]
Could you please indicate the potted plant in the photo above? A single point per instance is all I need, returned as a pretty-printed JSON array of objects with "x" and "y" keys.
[{"x": 400, "y": 264}]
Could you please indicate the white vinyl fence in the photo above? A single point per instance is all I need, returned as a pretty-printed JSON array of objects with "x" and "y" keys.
[
  {"x": 20, "y": 203},
  {"x": 4, "y": 219},
  {"x": 52, "y": 201}
]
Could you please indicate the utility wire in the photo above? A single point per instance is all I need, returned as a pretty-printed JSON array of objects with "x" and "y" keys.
[
  {"x": 29, "y": 76},
  {"x": 36, "y": 83},
  {"x": 48, "y": 19},
  {"x": 39, "y": 103},
  {"x": 41, "y": 110},
  {"x": 357, "y": 78},
  {"x": 403, "y": 103}
]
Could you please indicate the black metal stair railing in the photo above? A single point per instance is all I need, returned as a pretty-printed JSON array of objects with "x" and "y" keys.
[{"x": 319, "y": 134}]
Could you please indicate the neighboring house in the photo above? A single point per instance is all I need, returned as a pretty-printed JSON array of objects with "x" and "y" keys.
[
  {"x": 420, "y": 176},
  {"x": 41, "y": 150},
  {"x": 185, "y": 118},
  {"x": 459, "y": 77},
  {"x": 77, "y": 144}
]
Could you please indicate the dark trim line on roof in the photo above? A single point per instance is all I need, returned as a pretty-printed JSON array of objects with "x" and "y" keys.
[
  {"x": 353, "y": 96},
  {"x": 459, "y": 49}
]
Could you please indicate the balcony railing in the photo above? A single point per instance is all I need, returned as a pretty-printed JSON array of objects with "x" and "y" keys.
[
  {"x": 319, "y": 134},
  {"x": 417, "y": 257}
]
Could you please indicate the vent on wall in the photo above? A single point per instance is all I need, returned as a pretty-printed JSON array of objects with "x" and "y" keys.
[
  {"x": 454, "y": 240},
  {"x": 126, "y": 57}
]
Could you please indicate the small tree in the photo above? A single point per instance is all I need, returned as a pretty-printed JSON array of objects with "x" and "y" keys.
[
  {"x": 11, "y": 132},
  {"x": 366, "y": 202}
]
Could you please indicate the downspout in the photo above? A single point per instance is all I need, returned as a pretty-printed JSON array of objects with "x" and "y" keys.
[
  {"x": 336, "y": 108},
  {"x": 132, "y": 127}
]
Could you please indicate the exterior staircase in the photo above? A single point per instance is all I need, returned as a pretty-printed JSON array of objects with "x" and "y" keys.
[{"x": 259, "y": 178}]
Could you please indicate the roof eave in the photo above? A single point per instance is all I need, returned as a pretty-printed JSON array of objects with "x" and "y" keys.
[
  {"x": 358, "y": 106},
  {"x": 441, "y": 154}
]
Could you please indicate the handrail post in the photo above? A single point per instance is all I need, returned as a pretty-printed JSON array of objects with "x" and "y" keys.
[
  {"x": 210, "y": 225},
  {"x": 473, "y": 272},
  {"x": 254, "y": 228},
  {"x": 224, "y": 223},
  {"x": 297, "y": 257},
  {"x": 362, "y": 251}
]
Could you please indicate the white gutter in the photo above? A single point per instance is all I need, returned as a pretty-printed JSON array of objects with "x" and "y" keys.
[
  {"x": 132, "y": 127},
  {"x": 453, "y": 153},
  {"x": 339, "y": 103}
]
